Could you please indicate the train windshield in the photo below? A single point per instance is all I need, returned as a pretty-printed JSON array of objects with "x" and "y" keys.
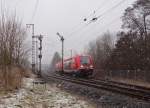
[{"x": 85, "y": 60}]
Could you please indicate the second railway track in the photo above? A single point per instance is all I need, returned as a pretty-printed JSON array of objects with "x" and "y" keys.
[{"x": 129, "y": 90}]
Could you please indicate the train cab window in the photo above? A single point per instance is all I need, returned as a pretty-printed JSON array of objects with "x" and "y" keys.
[
  {"x": 73, "y": 61},
  {"x": 67, "y": 64},
  {"x": 84, "y": 60}
]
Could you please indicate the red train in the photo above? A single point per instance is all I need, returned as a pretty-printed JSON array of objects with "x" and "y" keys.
[{"x": 77, "y": 65}]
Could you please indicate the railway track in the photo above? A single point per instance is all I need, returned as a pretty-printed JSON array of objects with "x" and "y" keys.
[{"x": 133, "y": 91}]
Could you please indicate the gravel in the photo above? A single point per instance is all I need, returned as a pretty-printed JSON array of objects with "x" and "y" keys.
[
  {"x": 38, "y": 96},
  {"x": 60, "y": 94},
  {"x": 101, "y": 98}
]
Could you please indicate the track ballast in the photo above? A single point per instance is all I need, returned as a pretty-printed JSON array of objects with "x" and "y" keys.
[{"x": 133, "y": 91}]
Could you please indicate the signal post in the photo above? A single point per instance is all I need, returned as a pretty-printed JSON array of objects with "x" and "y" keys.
[{"x": 62, "y": 40}]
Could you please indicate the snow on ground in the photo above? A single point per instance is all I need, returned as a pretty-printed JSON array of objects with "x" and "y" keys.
[{"x": 38, "y": 96}]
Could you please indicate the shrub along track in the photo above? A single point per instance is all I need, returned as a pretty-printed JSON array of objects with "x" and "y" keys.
[{"x": 133, "y": 91}]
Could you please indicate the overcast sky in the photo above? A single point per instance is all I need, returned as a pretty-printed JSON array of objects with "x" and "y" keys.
[{"x": 66, "y": 17}]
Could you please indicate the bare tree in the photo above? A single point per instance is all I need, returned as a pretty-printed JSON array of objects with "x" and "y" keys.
[
  {"x": 101, "y": 49},
  {"x": 56, "y": 58},
  {"x": 12, "y": 37},
  {"x": 136, "y": 18}
]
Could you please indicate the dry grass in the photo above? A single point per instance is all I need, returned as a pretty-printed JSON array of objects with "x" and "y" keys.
[
  {"x": 11, "y": 78},
  {"x": 133, "y": 82},
  {"x": 26, "y": 72}
]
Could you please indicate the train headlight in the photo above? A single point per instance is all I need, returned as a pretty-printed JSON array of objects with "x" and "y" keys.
[
  {"x": 81, "y": 66},
  {"x": 91, "y": 66}
]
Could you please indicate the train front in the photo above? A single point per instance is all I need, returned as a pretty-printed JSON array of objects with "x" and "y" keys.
[{"x": 86, "y": 65}]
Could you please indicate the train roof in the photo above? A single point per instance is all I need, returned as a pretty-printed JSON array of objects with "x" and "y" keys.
[{"x": 66, "y": 59}]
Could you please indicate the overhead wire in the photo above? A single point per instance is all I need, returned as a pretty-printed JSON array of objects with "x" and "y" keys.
[
  {"x": 17, "y": 2},
  {"x": 3, "y": 8},
  {"x": 96, "y": 18},
  {"x": 118, "y": 4},
  {"x": 109, "y": 10},
  {"x": 108, "y": 24},
  {"x": 75, "y": 28},
  {"x": 99, "y": 7},
  {"x": 35, "y": 10}
]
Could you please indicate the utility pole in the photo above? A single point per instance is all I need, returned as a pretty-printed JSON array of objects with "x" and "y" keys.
[
  {"x": 71, "y": 53},
  {"x": 40, "y": 54},
  {"x": 33, "y": 47},
  {"x": 62, "y": 40},
  {"x": 37, "y": 56},
  {"x": 146, "y": 37}
]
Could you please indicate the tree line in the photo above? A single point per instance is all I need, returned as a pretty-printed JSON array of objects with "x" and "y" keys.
[
  {"x": 131, "y": 51},
  {"x": 13, "y": 52}
]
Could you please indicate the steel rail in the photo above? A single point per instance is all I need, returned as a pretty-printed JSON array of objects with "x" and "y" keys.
[{"x": 135, "y": 92}]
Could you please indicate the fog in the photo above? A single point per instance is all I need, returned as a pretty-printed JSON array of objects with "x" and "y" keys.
[{"x": 67, "y": 18}]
